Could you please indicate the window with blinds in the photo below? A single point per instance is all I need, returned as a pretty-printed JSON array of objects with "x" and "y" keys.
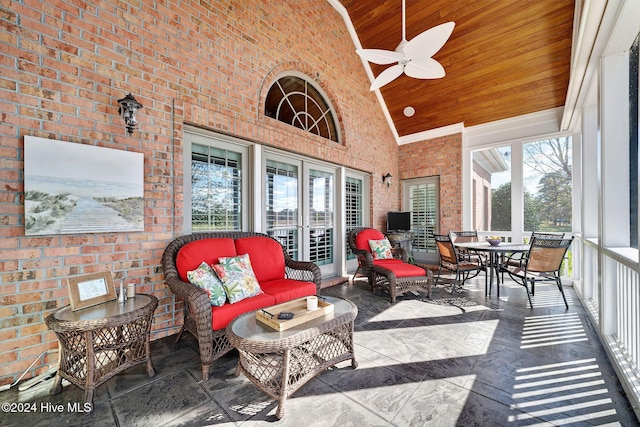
[
  {"x": 353, "y": 209},
  {"x": 282, "y": 204},
  {"x": 423, "y": 202},
  {"x": 216, "y": 189}
]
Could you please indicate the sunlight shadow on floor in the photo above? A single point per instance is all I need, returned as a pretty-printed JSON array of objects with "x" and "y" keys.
[{"x": 540, "y": 331}]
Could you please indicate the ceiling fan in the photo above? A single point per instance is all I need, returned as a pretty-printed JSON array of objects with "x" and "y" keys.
[{"x": 413, "y": 57}]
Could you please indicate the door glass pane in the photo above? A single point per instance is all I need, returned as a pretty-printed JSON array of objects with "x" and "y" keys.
[
  {"x": 216, "y": 189},
  {"x": 492, "y": 189},
  {"x": 423, "y": 204},
  {"x": 547, "y": 186},
  {"x": 353, "y": 209},
  {"x": 282, "y": 204},
  {"x": 320, "y": 217}
]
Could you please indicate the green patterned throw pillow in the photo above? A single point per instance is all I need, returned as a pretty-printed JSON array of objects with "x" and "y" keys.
[
  {"x": 380, "y": 249},
  {"x": 237, "y": 277},
  {"x": 205, "y": 278}
]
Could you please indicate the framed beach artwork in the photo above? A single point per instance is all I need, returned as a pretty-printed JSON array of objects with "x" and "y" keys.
[
  {"x": 72, "y": 188},
  {"x": 91, "y": 289}
]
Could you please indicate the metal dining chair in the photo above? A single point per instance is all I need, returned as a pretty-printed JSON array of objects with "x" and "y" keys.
[
  {"x": 463, "y": 236},
  {"x": 452, "y": 260},
  {"x": 518, "y": 259},
  {"x": 543, "y": 262},
  {"x": 467, "y": 236}
]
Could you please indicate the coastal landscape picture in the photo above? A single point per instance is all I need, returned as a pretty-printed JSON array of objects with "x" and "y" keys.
[{"x": 73, "y": 188}]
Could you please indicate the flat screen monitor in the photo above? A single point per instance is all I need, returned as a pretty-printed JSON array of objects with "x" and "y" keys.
[{"x": 398, "y": 221}]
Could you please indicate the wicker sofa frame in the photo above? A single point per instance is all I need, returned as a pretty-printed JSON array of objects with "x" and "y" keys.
[{"x": 197, "y": 308}]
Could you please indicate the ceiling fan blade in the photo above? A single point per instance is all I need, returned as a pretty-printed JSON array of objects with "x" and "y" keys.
[
  {"x": 427, "y": 43},
  {"x": 387, "y": 76},
  {"x": 380, "y": 56},
  {"x": 427, "y": 68}
]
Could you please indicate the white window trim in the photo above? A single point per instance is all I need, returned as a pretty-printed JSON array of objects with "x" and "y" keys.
[
  {"x": 254, "y": 156},
  {"x": 509, "y": 132},
  {"x": 325, "y": 96},
  {"x": 204, "y": 137},
  {"x": 344, "y": 173}
]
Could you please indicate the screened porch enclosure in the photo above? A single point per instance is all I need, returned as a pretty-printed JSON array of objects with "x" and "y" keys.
[{"x": 522, "y": 188}]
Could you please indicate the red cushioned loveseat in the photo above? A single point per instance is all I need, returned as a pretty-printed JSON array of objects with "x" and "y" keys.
[{"x": 281, "y": 279}]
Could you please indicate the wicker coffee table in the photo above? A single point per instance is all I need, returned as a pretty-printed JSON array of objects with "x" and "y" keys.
[
  {"x": 98, "y": 342},
  {"x": 279, "y": 363}
]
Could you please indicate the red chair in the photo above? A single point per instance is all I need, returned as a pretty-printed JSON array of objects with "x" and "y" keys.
[{"x": 395, "y": 275}]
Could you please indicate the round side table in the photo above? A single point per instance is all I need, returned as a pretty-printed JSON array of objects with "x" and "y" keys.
[{"x": 99, "y": 342}]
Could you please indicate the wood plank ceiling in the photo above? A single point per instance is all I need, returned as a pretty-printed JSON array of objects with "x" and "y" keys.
[{"x": 505, "y": 58}]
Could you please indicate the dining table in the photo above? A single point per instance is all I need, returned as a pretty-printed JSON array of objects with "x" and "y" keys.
[{"x": 496, "y": 254}]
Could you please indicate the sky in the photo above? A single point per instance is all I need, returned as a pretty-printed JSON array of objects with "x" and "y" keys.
[
  {"x": 50, "y": 157},
  {"x": 531, "y": 177}
]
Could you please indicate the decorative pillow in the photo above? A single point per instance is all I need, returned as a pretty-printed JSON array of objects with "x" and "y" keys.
[
  {"x": 380, "y": 249},
  {"x": 237, "y": 277},
  {"x": 204, "y": 277}
]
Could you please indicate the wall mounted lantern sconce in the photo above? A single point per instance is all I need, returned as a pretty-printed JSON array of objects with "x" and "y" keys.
[
  {"x": 129, "y": 106},
  {"x": 387, "y": 179}
]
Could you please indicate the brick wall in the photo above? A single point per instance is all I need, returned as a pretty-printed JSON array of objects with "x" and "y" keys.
[
  {"x": 63, "y": 67},
  {"x": 438, "y": 157}
]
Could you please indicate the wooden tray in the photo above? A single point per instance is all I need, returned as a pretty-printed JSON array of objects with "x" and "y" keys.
[{"x": 298, "y": 307}]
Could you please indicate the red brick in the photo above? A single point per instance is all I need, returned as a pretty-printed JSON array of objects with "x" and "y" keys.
[{"x": 211, "y": 74}]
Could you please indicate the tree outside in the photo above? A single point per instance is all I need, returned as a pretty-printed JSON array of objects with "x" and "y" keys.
[
  {"x": 501, "y": 209},
  {"x": 547, "y": 189}
]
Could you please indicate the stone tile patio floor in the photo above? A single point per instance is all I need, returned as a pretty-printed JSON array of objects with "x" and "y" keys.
[{"x": 454, "y": 360}]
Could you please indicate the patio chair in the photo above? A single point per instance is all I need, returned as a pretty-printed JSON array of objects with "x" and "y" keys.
[
  {"x": 451, "y": 259},
  {"x": 543, "y": 262},
  {"x": 467, "y": 237},
  {"x": 518, "y": 259},
  {"x": 392, "y": 274},
  {"x": 463, "y": 236}
]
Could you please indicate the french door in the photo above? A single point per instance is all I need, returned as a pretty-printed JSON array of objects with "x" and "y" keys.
[
  {"x": 308, "y": 205},
  {"x": 300, "y": 205},
  {"x": 356, "y": 201},
  {"x": 421, "y": 196}
]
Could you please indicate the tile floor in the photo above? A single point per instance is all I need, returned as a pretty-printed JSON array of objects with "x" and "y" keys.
[{"x": 459, "y": 360}]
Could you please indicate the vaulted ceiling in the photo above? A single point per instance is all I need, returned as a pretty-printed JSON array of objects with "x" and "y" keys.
[{"x": 505, "y": 58}]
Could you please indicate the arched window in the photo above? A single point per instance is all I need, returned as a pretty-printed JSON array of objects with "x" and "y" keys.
[{"x": 295, "y": 101}]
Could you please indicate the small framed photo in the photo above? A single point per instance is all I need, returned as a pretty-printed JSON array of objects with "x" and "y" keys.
[{"x": 89, "y": 290}]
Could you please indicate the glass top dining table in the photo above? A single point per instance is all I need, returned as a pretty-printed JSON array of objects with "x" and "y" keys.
[{"x": 495, "y": 255}]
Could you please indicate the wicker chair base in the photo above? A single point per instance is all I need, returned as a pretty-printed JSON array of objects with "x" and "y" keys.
[
  {"x": 385, "y": 279},
  {"x": 219, "y": 346}
]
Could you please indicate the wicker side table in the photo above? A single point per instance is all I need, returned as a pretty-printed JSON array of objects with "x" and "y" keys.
[
  {"x": 99, "y": 342},
  {"x": 279, "y": 363}
]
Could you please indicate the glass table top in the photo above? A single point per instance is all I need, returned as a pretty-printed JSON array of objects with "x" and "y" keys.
[
  {"x": 246, "y": 326},
  {"x": 104, "y": 310}
]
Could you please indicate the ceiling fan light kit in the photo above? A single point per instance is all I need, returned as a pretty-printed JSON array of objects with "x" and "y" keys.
[{"x": 413, "y": 57}]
